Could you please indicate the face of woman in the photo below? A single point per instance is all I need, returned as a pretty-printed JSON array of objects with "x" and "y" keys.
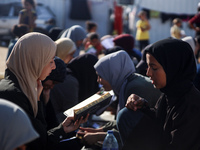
[
  {"x": 47, "y": 69},
  {"x": 106, "y": 84},
  {"x": 156, "y": 72}
]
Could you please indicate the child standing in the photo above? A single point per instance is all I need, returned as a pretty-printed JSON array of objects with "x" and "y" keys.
[
  {"x": 143, "y": 27},
  {"x": 28, "y": 14},
  {"x": 175, "y": 30}
]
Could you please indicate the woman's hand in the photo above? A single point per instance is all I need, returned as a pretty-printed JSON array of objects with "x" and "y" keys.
[
  {"x": 92, "y": 138},
  {"x": 92, "y": 130},
  {"x": 134, "y": 102},
  {"x": 69, "y": 125},
  {"x": 39, "y": 88}
]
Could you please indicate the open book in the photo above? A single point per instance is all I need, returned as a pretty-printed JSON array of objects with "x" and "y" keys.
[{"x": 92, "y": 105}]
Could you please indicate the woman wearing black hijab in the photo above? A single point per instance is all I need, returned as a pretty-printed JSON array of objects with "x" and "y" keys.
[
  {"x": 82, "y": 68},
  {"x": 172, "y": 68},
  {"x": 79, "y": 84}
]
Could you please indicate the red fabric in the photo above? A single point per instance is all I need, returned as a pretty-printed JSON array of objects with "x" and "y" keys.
[
  {"x": 195, "y": 19},
  {"x": 118, "y": 19},
  {"x": 126, "y": 41},
  {"x": 97, "y": 47}
]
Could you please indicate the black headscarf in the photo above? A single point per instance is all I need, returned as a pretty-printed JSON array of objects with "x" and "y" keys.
[
  {"x": 178, "y": 62},
  {"x": 59, "y": 73},
  {"x": 82, "y": 67}
]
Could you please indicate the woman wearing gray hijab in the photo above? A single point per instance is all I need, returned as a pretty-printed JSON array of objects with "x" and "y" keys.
[
  {"x": 77, "y": 34},
  {"x": 16, "y": 129},
  {"x": 116, "y": 71}
]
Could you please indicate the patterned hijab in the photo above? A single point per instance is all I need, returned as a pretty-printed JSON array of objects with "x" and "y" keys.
[
  {"x": 115, "y": 68},
  {"x": 30, "y": 54},
  {"x": 16, "y": 128}
]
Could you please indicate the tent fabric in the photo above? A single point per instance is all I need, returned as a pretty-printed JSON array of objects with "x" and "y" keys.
[{"x": 170, "y": 6}]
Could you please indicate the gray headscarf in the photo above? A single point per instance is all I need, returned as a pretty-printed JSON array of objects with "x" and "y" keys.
[
  {"x": 15, "y": 126},
  {"x": 75, "y": 33},
  {"x": 115, "y": 68}
]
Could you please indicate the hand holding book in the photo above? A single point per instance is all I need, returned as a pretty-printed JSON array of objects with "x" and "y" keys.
[
  {"x": 91, "y": 105},
  {"x": 69, "y": 125}
]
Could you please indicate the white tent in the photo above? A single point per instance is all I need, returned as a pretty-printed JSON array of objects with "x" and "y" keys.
[{"x": 170, "y": 6}]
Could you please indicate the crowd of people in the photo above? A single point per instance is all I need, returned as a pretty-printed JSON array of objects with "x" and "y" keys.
[{"x": 156, "y": 86}]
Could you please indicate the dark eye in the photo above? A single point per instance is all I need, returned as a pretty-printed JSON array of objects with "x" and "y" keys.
[{"x": 154, "y": 69}]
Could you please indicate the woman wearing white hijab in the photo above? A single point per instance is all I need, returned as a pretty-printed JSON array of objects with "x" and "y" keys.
[
  {"x": 16, "y": 129},
  {"x": 65, "y": 49},
  {"x": 31, "y": 61}
]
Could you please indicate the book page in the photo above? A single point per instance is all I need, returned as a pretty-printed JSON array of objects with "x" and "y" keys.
[{"x": 96, "y": 98}]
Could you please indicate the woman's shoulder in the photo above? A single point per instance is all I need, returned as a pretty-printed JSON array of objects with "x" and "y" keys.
[
  {"x": 10, "y": 91},
  {"x": 139, "y": 82},
  {"x": 9, "y": 86},
  {"x": 136, "y": 77}
]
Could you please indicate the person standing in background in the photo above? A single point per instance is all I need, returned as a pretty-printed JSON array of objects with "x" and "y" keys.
[
  {"x": 142, "y": 33},
  {"x": 28, "y": 14},
  {"x": 194, "y": 22},
  {"x": 175, "y": 30}
]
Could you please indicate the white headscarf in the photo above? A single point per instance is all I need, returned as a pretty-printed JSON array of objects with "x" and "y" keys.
[
  {"x": 65, "y": 46},
  {"x": 15, "y": 126},
  {"x": 115, "y": 68},
  {"x": 30, "y": 54}
]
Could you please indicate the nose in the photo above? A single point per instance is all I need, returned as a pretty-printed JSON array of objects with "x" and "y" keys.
[{"x": 148, "y": 73}]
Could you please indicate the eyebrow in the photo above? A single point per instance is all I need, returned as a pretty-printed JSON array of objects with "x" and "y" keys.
[{"x": 152, "y": 64}]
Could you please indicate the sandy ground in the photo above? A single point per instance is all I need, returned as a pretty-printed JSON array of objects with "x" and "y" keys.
[{"x": 3, "y": 53}]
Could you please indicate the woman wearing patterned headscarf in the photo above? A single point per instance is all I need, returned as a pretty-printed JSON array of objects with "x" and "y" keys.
[
  {"x": 175, "y": 122},
  {"x": 30, "y": 62}
]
